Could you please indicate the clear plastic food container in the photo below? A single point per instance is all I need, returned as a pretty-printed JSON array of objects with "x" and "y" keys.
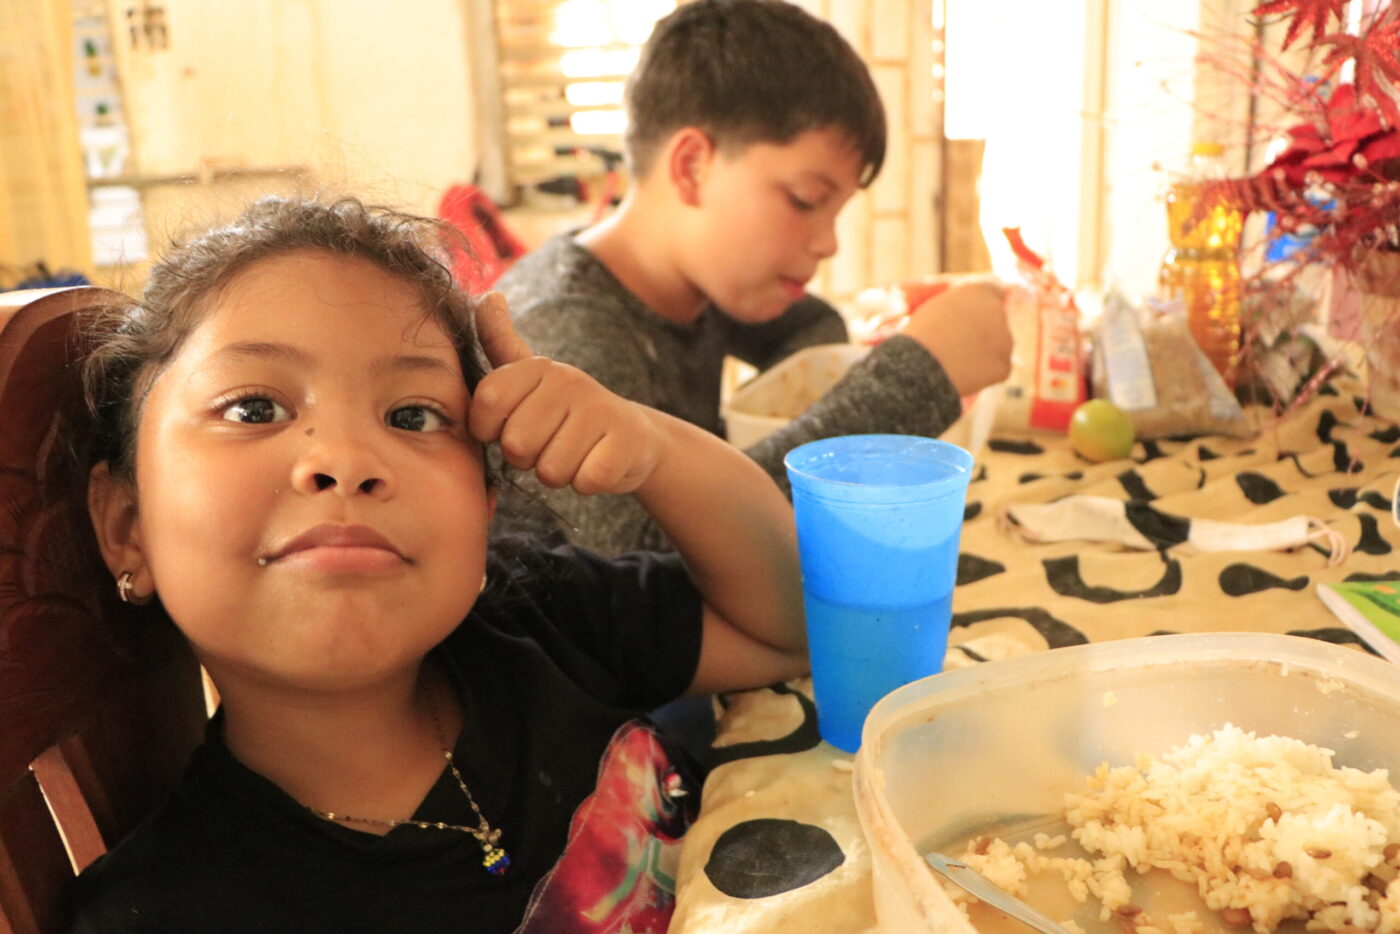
[
  {"x": 962, "y": 752},
  {"x": 779, "y": 394}
]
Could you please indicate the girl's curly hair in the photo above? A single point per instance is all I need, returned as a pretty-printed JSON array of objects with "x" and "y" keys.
[{"x": 127, "y": 344}]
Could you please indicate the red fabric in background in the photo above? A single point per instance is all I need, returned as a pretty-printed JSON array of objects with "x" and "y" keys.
[{"x": 493, "y": 247}]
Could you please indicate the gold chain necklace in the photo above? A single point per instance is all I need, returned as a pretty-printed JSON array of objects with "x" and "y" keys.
[{"x": 495, "y": 859}]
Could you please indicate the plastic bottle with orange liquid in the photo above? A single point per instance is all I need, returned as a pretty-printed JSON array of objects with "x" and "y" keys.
[{"x": 1202, "y": 267}]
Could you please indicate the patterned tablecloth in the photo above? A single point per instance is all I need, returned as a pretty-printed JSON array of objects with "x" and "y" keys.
[{"x": 778, "y": 846}]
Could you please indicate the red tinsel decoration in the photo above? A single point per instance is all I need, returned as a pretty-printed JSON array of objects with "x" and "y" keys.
[
  {"x": 1377, "y": 55},
  {"x": 1340, "y": 174},
  {"x": 1305, "y": 13}
]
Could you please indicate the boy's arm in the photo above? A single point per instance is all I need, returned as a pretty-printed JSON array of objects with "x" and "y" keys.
[
  {"x": 898, "y": 388},
  {"x": 953, "y": 345},
  {"x": 809, "y": 322}
]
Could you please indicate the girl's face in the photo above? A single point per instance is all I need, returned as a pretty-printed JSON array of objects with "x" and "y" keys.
[{"x": 308, "y": 505}]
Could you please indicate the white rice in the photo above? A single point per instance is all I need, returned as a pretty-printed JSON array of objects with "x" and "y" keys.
[{"x": 1264, "y": 824}]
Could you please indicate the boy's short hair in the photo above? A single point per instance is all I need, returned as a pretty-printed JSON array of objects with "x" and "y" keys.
[{"x": 750, "y": 71}]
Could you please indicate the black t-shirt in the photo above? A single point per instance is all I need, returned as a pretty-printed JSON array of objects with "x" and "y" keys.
[{"x": 562, "y": 649}]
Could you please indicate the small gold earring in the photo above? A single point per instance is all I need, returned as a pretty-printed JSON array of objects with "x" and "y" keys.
[
  {"x": 126, "y": 590},
  {"x": 484, "y": 581}
]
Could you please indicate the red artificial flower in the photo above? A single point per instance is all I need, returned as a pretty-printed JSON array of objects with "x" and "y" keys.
[
  {"x": 1353, "y": 140},
  {"x": 1314, "y": 13}
]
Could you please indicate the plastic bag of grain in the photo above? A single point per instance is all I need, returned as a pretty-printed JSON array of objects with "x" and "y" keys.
[{"x": 1147, "y": 363}]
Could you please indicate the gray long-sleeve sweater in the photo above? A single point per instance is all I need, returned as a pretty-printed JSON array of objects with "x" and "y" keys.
[{"x": 569, "y": 307}]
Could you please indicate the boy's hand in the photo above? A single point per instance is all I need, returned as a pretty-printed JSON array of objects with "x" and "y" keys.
[
  {"x": 556, "y": 419},
  {"x": 966, "y": 329}
]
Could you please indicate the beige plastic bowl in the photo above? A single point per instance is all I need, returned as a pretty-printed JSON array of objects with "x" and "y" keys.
[
  {"x": 781, "y": 393},
  {"x": 955, "y": 753}
]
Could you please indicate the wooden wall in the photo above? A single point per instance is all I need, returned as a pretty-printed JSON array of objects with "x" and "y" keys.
[
  {"x": 43, "y": 209},
  {"x": 371, "y": 98}
]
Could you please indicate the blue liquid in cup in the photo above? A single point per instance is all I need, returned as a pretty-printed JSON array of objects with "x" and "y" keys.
[
  {"x": 869, "y": 667},
  {"x": 878, "y": 523}
]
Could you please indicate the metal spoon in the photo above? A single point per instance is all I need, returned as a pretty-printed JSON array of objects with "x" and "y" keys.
[{"x": 970, "y": 880}]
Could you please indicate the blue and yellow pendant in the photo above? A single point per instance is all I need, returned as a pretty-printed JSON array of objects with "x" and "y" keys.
[{"x": 496, "y": 861}]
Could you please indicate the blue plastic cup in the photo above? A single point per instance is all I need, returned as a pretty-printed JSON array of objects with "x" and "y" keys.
[{"x": 878, "y": 521}]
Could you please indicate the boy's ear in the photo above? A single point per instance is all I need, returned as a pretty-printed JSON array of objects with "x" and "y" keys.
[
  {"x": 116, "y": 522},
  {"x": 688, "y": 158}
]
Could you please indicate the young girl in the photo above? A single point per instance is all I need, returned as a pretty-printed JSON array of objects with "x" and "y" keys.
[{"x": 289, "y": 431}]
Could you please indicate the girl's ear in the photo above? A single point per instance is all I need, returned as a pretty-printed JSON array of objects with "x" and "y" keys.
[
  {"x": 688, "y": 158},
  {"x": 112, "y": 509}
]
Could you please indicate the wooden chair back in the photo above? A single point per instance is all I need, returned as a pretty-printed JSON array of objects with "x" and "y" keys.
[{"x": 100, "y": 703}]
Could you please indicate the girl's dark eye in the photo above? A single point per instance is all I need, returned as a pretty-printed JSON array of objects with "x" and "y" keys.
[
  {"x": 415, "y": 418},
  {"x": 255, "y": 410},
  {"x": 800, "y": 204}
]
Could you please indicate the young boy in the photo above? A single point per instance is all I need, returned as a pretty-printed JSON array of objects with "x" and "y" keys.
[{"x": 751, "y": 124}]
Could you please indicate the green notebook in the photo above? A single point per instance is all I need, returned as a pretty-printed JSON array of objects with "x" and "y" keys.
[{"x": 1371, "y": 609}]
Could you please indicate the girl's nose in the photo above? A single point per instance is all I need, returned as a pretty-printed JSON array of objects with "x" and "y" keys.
[{"x": 343, "y": 465}]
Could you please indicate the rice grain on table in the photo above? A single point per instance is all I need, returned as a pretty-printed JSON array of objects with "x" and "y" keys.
[{"x": 1266, "y": 829}]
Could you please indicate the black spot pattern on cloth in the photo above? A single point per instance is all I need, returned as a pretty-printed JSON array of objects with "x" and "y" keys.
[
  {"x": 1239, "y": 580},
  {"x": 1376, "y": 501},
  {"x": 1151, "y": 450},
  {"x": 1371, "y": 578},
  {"x": 1161, "y": 529},
  {"x": 1297, "y": 464},
  {"x": 805, "y": 737},
  {"x": 981, "y": 474},
  {"x": 975, "y": 656},
  {"x": 1056, "y": 632},
  {"x": 1371, "y": 542},
  {"x": 1257, "y": 488},
  {"x": 1325, "y": 423},
  {"x": 766, "y": 857},
  {"x": 972, "y": 568},
  {"x": 1334, "y": 634},
  {"x": 1206, "y": 454},
  {"x": 1062, "y": 574},
  {"x": 1134, "y": 486},
  {"x": 1394, "y": 452},
  {"x": 1347, "y": 498},
  {"x": 972, "y": 511},
  {"x": 1032, "y": 477},
  {"x": 1327, "y": 389},
  {"x": 1343, "y": 461},
  {"x": 1015, "y": 447},
  {"x": 1386, "y": 435},
  {"x": 1344, "y": 498}
]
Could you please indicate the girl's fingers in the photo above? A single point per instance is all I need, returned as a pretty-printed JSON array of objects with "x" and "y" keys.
[
  {"x": 498, "y": 395},
  {"x": 611, "y": 466},
  {"x": 529, "y": 428},
  {"x": 558, "y": 464}
]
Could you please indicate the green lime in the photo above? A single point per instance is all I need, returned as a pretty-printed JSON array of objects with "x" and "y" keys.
[{"x": 1100, "y": 431}]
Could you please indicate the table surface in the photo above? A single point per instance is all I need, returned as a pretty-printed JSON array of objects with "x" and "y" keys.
[{"x": 778, "y": 846}]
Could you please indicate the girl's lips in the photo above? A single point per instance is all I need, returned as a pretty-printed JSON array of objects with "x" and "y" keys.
[
  {"x": 343, "y": 559},
  {"x": 339, "y": 549}
]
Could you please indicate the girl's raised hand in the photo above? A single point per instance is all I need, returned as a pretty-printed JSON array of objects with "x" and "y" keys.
[{"x": 556, "y": 419}]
